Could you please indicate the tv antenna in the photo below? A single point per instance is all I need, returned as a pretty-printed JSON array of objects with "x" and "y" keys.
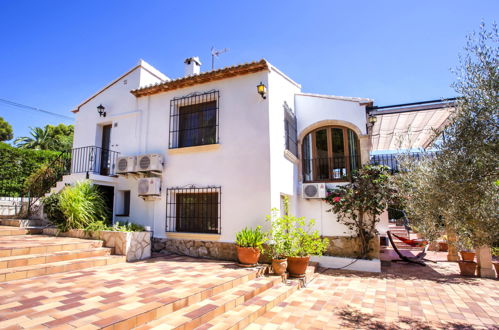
[{"x": 215, "y": 53}]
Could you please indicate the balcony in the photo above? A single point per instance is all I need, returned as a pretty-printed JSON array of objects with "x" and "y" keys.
[
  {"x": 333, "y": 169},
  {"x": 94, "y": 160}
]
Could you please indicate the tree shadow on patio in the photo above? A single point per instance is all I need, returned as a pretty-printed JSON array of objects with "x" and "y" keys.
[
  {"x": 442, "y": 272},
  {"x": 353, "y": 318}
]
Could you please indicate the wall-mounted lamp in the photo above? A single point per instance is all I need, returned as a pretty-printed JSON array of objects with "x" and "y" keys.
[
  {"x": 372, "y": 120},
  {"x": 101, "y": 110},
  {"x": 262, "y": 90}
]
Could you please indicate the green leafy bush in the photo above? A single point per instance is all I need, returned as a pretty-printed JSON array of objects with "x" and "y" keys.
[
  {"x": 53, "y": 210},
  {"x": 249, "y": 237},
  {"x": 129, "y": 226},
  {"x": 82, "y": 204},
  {"x": 18, "y": 164}
]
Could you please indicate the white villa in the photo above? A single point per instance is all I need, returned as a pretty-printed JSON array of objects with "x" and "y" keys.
[{"x": 200, "y": 157}]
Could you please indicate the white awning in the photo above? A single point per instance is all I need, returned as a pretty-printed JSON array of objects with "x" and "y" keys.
[{"x": 408, "y": 127}]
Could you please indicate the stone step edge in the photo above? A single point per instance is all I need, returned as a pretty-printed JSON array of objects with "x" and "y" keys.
[
  {"x": 105, "y": 250},
  {"x": 17, "y": 231},
  {"x": 246, "y": 313},
  {"x": 230, "y": 299},
  {"x": 19, "y": 273},
  {"x": 14, "y": 251},
  {"x": 289, "y": 287},
  {"x": 146, "y": 313}
]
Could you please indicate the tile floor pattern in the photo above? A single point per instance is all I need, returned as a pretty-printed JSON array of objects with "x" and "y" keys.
[
  {"x": 402, "y": 297},
  {"x": 125, "y": 295},
  {"x": 102, "y": 296}
]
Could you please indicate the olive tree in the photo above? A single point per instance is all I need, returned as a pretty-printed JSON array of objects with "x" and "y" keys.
[{"x": 459, "y": 187}]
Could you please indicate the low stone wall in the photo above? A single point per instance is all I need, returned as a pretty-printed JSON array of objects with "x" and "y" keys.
[
  {"x": 195, "y": 248},
  {"x": 339, "y": 246},
  {"x": 134, "y": 245},
  {"x": 345, "y": 246}
]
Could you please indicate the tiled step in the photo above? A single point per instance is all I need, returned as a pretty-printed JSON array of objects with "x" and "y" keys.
[
  {"x": 17, "y": 273},
  {"x": 162, "y": 304},
  {"x": 36, "y": 259},
  {"x": 207, "y": 309},
  {"x": 241, "y": 316},
  {"x": 15, "y": 231},
  {"x": 22, "y": 223},
  {"x": 39, "y": 244}
]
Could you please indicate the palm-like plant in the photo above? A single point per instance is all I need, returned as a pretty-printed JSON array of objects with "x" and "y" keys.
[{"x": 40, "y": 139}]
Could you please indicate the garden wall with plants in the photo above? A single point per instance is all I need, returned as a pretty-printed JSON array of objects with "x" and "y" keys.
[{"x": 16, "y": 165}]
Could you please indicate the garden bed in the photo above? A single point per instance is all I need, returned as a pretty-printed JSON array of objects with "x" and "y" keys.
[{"x": 134, "y": 245}]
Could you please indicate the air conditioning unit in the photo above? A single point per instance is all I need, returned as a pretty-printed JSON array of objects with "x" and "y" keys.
[
  {"x": 149, "y": 187},
  {"x": 151, "y": 162},
  {"x": 313, "y": 190},
  {"x": 125, "y": 164}
]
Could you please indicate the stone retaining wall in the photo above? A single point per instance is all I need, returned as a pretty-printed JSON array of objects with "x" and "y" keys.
[
  {"x": 134, "y": 245},
  {"x": 339, "y": 246}
]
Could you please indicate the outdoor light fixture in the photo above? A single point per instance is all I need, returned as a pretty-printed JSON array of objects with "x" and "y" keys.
[
  {"x": 100, "y": 110},
  {"x": 262, "y": 90},
  {"x": 372, "y": 120}
]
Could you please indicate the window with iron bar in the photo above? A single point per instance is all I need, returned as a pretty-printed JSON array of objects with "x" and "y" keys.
[
  {"x": 290, "y": 130},
  {"x": 193, "y": 210},
  {"x": 194, "y": 120}
]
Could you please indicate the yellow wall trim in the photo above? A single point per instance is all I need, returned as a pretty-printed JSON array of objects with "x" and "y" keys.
[{"x": 194, "y": 236}]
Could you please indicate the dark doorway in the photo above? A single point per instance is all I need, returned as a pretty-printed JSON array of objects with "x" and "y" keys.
[
  {"x": 108, "y": 193},
  {"x": 105, "y": 152}
]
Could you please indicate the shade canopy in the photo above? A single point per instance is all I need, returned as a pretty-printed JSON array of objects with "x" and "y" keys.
[{"x": 409, "y": 126}]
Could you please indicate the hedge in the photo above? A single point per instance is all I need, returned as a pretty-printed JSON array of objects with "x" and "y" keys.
[{"x": 17, "y": 164}]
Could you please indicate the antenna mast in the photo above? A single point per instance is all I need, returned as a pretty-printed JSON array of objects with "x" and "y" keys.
[{"x": 215, "y": 53}]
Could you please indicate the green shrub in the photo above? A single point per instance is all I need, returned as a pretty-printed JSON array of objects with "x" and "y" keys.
[
  {"x": 249, "y": 237},
  {"x": 18, "y": 164},
  {"x": 129, "y": 226},
  {"x": 53, "y": 210},
  {"x": 82, "y": 204}
]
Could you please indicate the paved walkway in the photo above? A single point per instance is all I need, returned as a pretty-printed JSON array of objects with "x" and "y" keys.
[{"x": 401, "y": 297}]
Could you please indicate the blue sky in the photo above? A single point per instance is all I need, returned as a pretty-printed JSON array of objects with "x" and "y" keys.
[{"x": 55, "y": 54}]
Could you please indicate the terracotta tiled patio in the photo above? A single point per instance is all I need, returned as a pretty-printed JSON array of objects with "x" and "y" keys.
[
  {"x": 173, "y": 292},
  {"x": 401, "y": 297}
]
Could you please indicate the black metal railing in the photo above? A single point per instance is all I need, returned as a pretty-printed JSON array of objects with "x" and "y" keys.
[
  {"x": 393, "y": 160},
  {"x": 194, "y": 210},
  {"x": 194, "y": 120},
  {"x": 94, "y": 160},
  {"x": 330, "y": 169}
]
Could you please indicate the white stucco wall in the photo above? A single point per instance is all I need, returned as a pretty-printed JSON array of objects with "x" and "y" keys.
[
  {"x": 249, "y": 163},
  {"x": 284, "y": 171}
]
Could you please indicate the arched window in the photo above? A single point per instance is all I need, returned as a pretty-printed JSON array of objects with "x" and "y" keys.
[{"x": 330, "y": 154}]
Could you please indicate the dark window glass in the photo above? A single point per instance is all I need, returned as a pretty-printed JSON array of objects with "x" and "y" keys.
[
  {"x": 197, "y": 212},
  {"x": 330, "y": 154},
  {"x": 290, "y": 131},
  {"x": 322, "y": 160},
  {"x": 197, "y": 124}
]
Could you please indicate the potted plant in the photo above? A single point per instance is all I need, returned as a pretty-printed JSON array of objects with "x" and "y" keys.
[
  {"x": 304, "y": 242},
  {"x": 279, "y": 240},
  {"x": 249, "y": 245},
  {"x": 467, "y": 265},
  {"x": 495, "y": 255}
]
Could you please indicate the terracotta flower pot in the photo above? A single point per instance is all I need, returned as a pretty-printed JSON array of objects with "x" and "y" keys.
[
  {"x": 468, "y": 268},
  {"x": 467, "y": 256},
  {"x": 248, "y": 255},
  {"x": 279, "y": 266},
  {"x": 297, "y": 266},
  {"x": 443, "y": 246},
  {"x": 496, "y": 266}
]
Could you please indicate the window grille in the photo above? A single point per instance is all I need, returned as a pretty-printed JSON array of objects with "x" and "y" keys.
[
  {"x": 193, "y": 210},
  {"x": 290, "y": 130},
  {"x": 194, "y": 120}
]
